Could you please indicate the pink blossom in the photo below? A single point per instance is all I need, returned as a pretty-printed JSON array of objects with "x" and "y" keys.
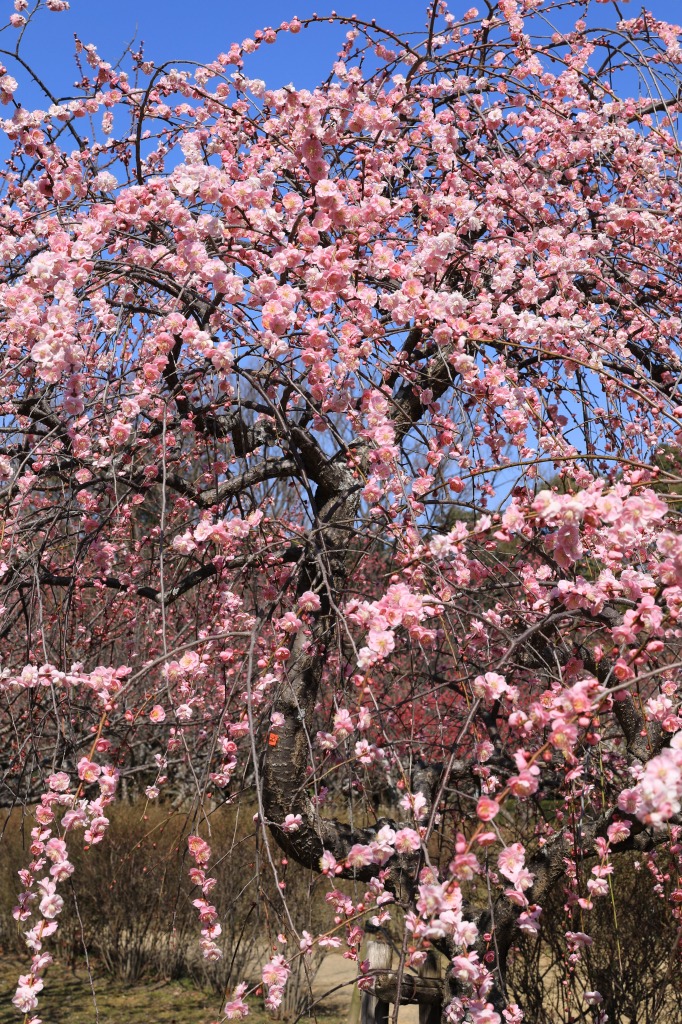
[
  {"x": 381, "y": 641},
  {"x": 510, "y": 861},
  {"x": 658, "y": 795},
  {"x": 328, "y": 863},
  {"x": 207, "y": 912},
  {"x": 618, "y": 831},
  {"x": 343, "y": 724},
  {"x": 406, "y": 840},
  {"x": 465, "y": 968},
  {"x": 51, "y": 903},
  {"x": 529, "y": 920},
  {"x": 25, "y": 997},
  {"x": 326, "y": 741},
  {"x": 292, "y": 823},
  {"x": 364, "y": 719},
  {"x": 414, "y": 802},
  {"x": 199, "y": 849},
  {"x": 275, "y": 974},
  {"x": 359, "y": 856},
  {"x": 119, "y": 432},
  {"x": 487, "y": 809},
  {"x": 577, "y": 940},
  {"x": 55, "y": 849},
  {"x": 309, "y": 602},
  {"x": 236, "y": 1007},
  {"x": 491, "y": 686},
  {"x": 88, "y": 771},
  {"x": 59, "y": 781}
]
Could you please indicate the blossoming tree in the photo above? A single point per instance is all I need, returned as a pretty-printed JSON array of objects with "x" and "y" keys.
[{"x": 330, "y": 427}]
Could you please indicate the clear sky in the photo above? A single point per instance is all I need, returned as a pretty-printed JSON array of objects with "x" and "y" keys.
[{"x": 199, "y": 29}]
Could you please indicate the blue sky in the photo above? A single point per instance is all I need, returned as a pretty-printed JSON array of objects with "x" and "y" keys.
[{"x": 199, "y": 29}]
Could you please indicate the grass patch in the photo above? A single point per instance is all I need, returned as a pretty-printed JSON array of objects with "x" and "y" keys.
[{"x": 67, "y": 999}]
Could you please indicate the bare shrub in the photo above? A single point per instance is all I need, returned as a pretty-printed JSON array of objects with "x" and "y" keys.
[
  {"x": 151, "y": 929},
  {"x": 634, "y": 960}
]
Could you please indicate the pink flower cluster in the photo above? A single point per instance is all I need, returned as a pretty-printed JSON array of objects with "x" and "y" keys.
[
  {"x": 624, "y": 521},
  {"x": 237, "y": 1007},
  {"x": 275, "y": 974},
  {"x": 399, "y": 607},
  {"x": 104, "y": 682},
  {"x": 386, "y": 844},
  {"x": 657, "y": 796},
  {"x": 211, "y": 929},
  {"x": 226, "y": 534},
  {"x": 59, "y": 808}
]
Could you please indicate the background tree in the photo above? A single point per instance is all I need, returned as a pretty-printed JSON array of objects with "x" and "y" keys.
[{"x": 282, "y": 371}]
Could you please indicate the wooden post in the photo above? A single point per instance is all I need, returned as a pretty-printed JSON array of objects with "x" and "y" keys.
[
  {"x": 380, "y": 955},
  {"x": 355, "y": 1006},
  {"x": 430, "y": 1014},
  {"x": 425, "y": 989}
]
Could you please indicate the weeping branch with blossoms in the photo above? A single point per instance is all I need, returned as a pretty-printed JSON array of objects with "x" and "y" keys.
[{"x": 332, "y": 425}]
